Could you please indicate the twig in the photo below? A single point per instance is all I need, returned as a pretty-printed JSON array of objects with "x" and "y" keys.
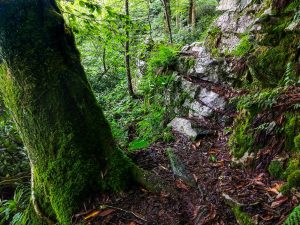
[{"x": 123, "y": 210}]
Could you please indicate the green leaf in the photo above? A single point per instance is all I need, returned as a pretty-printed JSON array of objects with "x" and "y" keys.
[{"x": 138, "y": 144}]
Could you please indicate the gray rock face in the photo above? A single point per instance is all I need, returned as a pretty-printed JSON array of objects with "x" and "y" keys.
[
  {"x": 183, "y": 126},
  {"x": 232, "y": 24},
  {"x": 201, "y": 103},
  {"x": 199, "y": 110},
  {"x": 206, "y": 67},
  {"x": 226, "y": 5},
  {"x": 212, "y": 99},
  {"x": 189, "y": 87},
  {"x": 229, "y": 42}
]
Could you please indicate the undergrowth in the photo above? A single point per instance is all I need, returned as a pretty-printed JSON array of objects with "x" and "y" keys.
[
  {"x": 138, "y": 122},
  {"x": 294, "y": 217}
]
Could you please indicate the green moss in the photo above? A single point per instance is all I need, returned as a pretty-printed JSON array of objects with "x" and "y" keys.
[
  {"x": 293, "y": 179},
  {"x": 293, "y": 165},
  {"x": 242, "y": 138},
  {"x": 275, "y": 169},
  {"x": 291, "y": 130},
  {"x": 241, "y": 217},
  {"x": 212, "y": 40},
  {"x": 243, "y": 47},
  {"x": 297, "y": 143},
  {"x": 191, "y": 63},
  {"x": 269, "y": 62}
]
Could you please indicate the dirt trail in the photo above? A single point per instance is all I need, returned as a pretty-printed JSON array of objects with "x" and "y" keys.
[{"x": 209, "y": 162}]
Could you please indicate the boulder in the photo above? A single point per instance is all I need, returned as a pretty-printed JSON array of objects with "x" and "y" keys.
[
  {"x": 199, "y": 110},
  {"x": 212, "y": 99},
  {"x": 183, "y": 126}
]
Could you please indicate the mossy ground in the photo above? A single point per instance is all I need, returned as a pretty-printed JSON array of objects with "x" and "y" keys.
[{"x": 242, "y": 217}]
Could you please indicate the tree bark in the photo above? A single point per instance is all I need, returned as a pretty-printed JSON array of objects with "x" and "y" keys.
[
  {"x": 127, "y": 56},
  {"x": 67, "y": 138},
  {"x": 192, "y": 13},
  {"x": 167, "y": 11}
]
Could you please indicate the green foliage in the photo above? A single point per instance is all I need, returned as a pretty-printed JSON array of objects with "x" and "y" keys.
[
  {"x": 294, "y": 217},
  {"x": 243, "y": 47},
  {"x": 162, "y": 57},
  {"x": 259, "y": 100},
  {"x": 291, "y": 130},
  {"x": 242, "y": 217},
  {"x": 297, "y": 143},
  {"x": 14, "y": 211},
  {"x": 282, "y": 51},
  {"x": 290, "y": 77},
  {"x": 293, "y": 179},
  {"x": 206, "y": 13},
  {"x": 275, "y": 169},
  {"x": 12, "y": 156},
  {"x": 143, "y": 118},
  {"x": 212, "y": 38},
  {"x": 241, "y": 139},
  {"x": 293, "y": 165},
  {"x": 137, "y": 144}
]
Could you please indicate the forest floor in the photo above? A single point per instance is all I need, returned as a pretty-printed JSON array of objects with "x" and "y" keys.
[{"x": 220, "y": 192}]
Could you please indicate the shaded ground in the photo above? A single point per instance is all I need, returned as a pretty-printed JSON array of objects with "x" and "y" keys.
[{"x": 209, "y": 163}]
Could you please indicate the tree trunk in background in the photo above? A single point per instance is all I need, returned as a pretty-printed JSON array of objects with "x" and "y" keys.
[
  {"x": 68, "y": 140},
  {"x": 167, "y": 10},
  {"x": 149, "y": 19},
  {"x": 127, "y": 56},
  {"x": 192, "y": 13}
]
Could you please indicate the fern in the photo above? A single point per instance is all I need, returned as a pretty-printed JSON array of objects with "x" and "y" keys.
[{"x": 294, "y": 217}]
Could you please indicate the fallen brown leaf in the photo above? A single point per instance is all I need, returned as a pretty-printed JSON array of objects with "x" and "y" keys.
[
  {"x": 279, "y": 201},
  {"x": 132, "y": 223},
  {"x": 107, "y": 212}
]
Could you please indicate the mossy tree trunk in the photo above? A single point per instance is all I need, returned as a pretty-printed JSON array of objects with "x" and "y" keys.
[{"x": 68, "y": 140}]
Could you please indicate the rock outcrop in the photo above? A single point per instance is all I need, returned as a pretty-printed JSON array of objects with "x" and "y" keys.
[{"x": 201, "y": 82}]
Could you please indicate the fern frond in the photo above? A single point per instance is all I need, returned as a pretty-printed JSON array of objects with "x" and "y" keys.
[{"x": 294, "y": 217}]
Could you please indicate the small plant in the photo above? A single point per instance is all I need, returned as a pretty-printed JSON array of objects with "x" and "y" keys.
[
  {"x": 14, "y": 210},
  {"x": 294, "y": 217}
]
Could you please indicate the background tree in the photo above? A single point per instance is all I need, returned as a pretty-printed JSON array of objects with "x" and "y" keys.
[
  {"x": 167, "y": 11},
  {"x": 192, "y": 13},
  {"x": 127, "y": 54},
  {"x": 69, "y": 142}
]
